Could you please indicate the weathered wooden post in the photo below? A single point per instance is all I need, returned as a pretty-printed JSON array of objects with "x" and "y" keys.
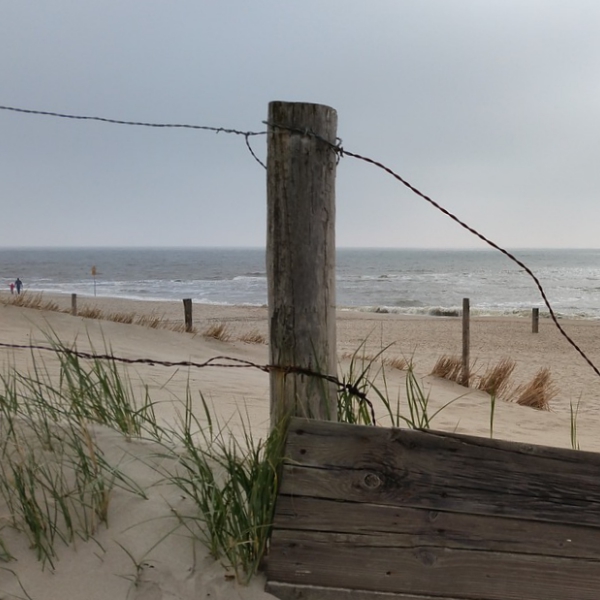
[
  {"x": 74, "y": 304},
  {"x": 535, "y": 320},
  {"x": 466, "y": 331},
  {"x": 301, "y": 165},
  {"x": 187, "y": 314}
]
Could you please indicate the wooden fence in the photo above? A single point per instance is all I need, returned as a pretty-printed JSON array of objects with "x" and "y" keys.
[{"x": 368, "y": 512}]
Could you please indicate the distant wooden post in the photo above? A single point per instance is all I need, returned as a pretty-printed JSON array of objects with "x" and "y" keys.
[
  {"x": 535, "y": 320},
  {"x": 187, "y": 314},
  {"x": 301, "y": 258},
  {"x": 74, "y": 304},
  {"x": 466, "y": 334}
]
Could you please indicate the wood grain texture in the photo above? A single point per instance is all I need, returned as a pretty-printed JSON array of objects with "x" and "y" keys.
[
  {"x": 301, "y": 257},
  {"x": 286, "y": 591},
  {"x": 429, "y": 514}
]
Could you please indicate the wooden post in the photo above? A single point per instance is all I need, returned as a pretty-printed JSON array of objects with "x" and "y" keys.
[
  {"x": 74, "y": 304},
  {"x": 535, "y": 320},
  {"x": 187, "y": 314},
  {"x": 301, "y": 258},
  {"x": 466, "y": 334}
]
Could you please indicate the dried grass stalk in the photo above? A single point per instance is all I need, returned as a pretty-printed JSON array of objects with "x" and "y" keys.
[
  {"x": 538, "y": 393},
  {"x": 90, "y": 312},
  {"x": 448, "y": 367},
  {"x": 117, "y": 317},
  {"x": 495, "y": 381},
  {"x": 29, "y": 300},
  {"x": 153, "y": 321},
  {"x": 396, "y": 363},
  {"x": 253, "y": 337},
  {"x": 218, "y": 331}
]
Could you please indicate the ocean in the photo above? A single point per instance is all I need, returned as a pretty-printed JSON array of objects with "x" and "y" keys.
[{"x": 417, "y": 282}]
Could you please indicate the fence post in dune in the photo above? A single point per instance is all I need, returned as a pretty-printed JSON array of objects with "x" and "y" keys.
[
  {"x": 74, "y": 304},
  {"x": 466, "y": 334},
  {"x": 535, "y": 320},
  {"x": 187, "y": 314},
  {"x": 301, "y": 166}
]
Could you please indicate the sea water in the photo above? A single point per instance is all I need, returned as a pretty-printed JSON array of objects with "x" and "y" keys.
[{"x": 427, "y": 282}]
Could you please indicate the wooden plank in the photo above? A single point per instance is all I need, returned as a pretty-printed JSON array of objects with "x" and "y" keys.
[
  {"x": 440, "y": 471},
  {"x": 325, "y": 559},
  {"x": 286, "y": 591},
  {"x": 381, "y": 526},
  {"x": 423, "y": 515}
]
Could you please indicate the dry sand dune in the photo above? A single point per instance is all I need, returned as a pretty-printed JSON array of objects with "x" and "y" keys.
[{"x": 177, "y": 569}]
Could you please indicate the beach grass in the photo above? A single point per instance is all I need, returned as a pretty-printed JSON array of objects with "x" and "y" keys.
[
  {"x": 538, "y": 393},
  {"x": 233, "y": 483},
  {"x": 218, "y": 331},
  {"x": 448, "y": 367},
  {"x": 31, "y": 300},
  {"x": 54, "y": 479},
  {"x": 496, "y": 379},
  {"x": 253, "y": 337}
]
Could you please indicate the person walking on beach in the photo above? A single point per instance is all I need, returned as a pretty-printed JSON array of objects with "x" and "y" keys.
[
  {"x": 19, "y": 285},
  {"x": 12, "y": 287}
]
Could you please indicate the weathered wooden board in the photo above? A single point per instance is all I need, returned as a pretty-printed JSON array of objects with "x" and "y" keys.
[
  {"x": 286, "y": 591},
  {"x": 377, "y": 525},
  {"x": 418, "y": 515}
]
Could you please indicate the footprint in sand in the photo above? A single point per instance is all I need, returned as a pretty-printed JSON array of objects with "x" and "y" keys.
[{"x": 156, "y": 582}]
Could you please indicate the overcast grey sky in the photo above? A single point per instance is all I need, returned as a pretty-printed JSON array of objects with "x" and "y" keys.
[{"x": 491, "y": 107}]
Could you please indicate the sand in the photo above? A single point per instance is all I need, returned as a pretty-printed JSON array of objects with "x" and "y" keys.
[{"x": 175, "y": 568}]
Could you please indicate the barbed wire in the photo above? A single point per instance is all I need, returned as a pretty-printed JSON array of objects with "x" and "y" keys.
[
  {"x": 340, "y": 152},
  {"x": 221, "y": 361},
  {"x": 246, "y": 134}
]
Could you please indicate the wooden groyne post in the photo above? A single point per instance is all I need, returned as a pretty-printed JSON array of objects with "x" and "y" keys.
[
  {"x": 535, "y": 320},
  {"x": 74, "y": 304},
  {"x": 301, "y": 166},
  {"x": 466, "y": 341},
  {"x": 187, "y": 314}
]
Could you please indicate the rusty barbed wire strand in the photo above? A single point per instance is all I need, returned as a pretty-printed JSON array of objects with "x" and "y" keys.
[
  {"x": 245, "y": 134},
  {"x": 260, "y": 162},
  {"x": 341, "y": 152},
  {"x": 135, "y": 123},
  {"x": 231, "y": 363},
  {"x": 483, "y": 238}
]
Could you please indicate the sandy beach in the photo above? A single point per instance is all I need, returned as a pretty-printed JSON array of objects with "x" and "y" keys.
[{"x": 176, "y": 568}]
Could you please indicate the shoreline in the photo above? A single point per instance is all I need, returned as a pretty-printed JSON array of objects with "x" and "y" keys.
[{"x": 435, "y": 311}]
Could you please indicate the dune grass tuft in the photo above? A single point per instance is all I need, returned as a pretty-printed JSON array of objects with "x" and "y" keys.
[
  {"x": 448, "y": 367},
  {"x": 118, "y": 317},
  {"x": 55, "y": 483},
  {"x": 401, "y": 364},
  {"x": 153, "y": 321},
  {"x": 496, "y": 379},
  {"x": 90, "y": 312},
  {"x": 234, "y": 484},
  {"x": 253, "y": 337},
  {"x": 538, "y": 393},
  {"x": 218, "y": 331},
  {"x": 31, "y": 300}
]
